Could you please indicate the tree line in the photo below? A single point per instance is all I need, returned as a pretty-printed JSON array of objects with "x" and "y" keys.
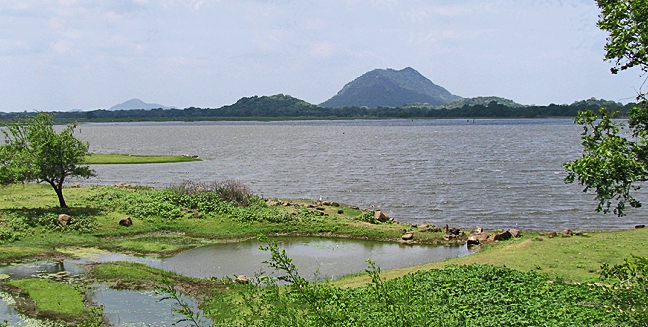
[{"x": 287, "y": 107}]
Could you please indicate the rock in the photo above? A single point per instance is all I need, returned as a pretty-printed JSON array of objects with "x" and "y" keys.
[
  {"x": 320, "y": 208},
  {"x": 640, "y": 226},
  {"x": 407, "y": 237},
  {"x": 503, "y": 236},
  {"x": 326, "y": 203},
  {"x": 449, "y": 237},
  {"x": 355, "y": 208},
  {"x": 272, "y": 203},
  {"x": 195, "y": 214},
  {"x": 515, "y": 232},
  {"x": 423, "y": 229},
  {"x": 403, "y": 231},
  {"x": 552, "y": 234},
  {"x": 287, "y": 204},
  {"x": 479, "y": 230},
  {"x": 567, "y": 232},
  {"x": 472, "y": 240},
  {"x": 335, "y": 204},
  {"x": 539, "y": 238},
  {"x": 426, "y": 225},
  {"x": 76, "y": 185},
  {"x": 242, "y": 279},
  {"x": 340, "y": 212},
  {"x": 453, "y": 231},
  {"x": 64, "y": 219},
  {"x": 414, "y": 225},
  {"x": 381, "y": 216},
  {"x": 446, "y": 229},
  {"x": 294, "y": 213},
  {"x": 127, "y": 222}
]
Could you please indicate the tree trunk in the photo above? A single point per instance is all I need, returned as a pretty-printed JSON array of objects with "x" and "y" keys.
[{"x": 59, "y": 193}]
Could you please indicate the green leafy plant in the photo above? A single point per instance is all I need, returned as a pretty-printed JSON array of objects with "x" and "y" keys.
[{"x": 629, "y": 286}]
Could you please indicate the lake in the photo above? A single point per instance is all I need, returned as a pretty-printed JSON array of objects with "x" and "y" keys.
[{"x": 493, "y": 173}]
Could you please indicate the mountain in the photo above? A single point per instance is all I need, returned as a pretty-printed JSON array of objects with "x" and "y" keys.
[
  {"x": 480, "y": 101},
  {"x": 389, "y": 88},
  {"x": 137, "y": 104}
]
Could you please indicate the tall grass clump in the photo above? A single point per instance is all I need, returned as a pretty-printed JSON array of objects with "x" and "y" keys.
[{"x": 227, "y": 190}]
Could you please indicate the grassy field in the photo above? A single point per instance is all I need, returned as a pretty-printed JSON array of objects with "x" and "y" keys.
[
  {"x": 575, "y": 258},
  {"x": 189, "y": 215},
  {"x": 114, "y": 158},
  {"x": 28, "y": 221}
]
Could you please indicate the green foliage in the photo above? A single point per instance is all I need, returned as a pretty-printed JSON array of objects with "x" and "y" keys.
[
  {"x": 627, "y": 43},
  {"x": 629, "y": 286},
  {"x": 368, "y": 217},
  {"x": 33, "y": 151},
  {"x": 474, "y": 295},
  {"x": 612, "y": 163}
]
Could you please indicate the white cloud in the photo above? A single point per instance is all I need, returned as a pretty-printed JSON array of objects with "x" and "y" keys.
[{"x": 321, "y": 49}]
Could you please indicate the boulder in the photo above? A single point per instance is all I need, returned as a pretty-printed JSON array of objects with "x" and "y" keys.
[
  {"x": 320, "y": 208},
  {"x": 195, "y": 214},
  {"x": 567, "y": 232},
  {"x": 446, "y": 229},
  {"x": 552, "y": 234},
  {"x": 242, "y": 279},
  {"x": 64, "y": 219},
  {"x": 423, "y": 229},
  {"x": 426, "y": 225},
  {"x": 340, "y": 212},
  {"x": 326, "y": 203},
  {"x": 539, "y": 238},
  {"x": 335, "y": 204},
  {"x": 503, "y": 236},
  {"x": 126, "y": 222},
  {"x": 479, "y": 230},
  {"x": 407, "y": 237},
  {"x": 473, "y": 240},
  {"x": 381, "y": 216},
  {"x": 515, "y": 232},
  {"x": 640, "y": 226}
]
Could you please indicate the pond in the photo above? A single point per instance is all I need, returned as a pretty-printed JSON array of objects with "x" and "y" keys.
[{"x": 315, "y": 258}]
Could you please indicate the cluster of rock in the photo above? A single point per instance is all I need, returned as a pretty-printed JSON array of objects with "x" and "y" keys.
[
  {"x": 382, "y": 217},
  {"x": 317, "y": 208},
  {"x": 479, "y": 236}
]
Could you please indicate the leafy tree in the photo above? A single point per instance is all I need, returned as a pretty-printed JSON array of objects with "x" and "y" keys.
[
  {"x": 614, "y": 161},
  {"x": 34, "y": 152}
]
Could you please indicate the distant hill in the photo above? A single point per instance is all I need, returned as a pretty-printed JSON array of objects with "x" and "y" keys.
[
  {"x": 278, "y": 105},
  {"x": 389, "y": 88},
  {"x": 480, "y": 101},
  {"x": 138, "y": 104}
]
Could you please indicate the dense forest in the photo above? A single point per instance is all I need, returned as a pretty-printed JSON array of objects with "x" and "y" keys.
[{"x": 286, "y": 107}]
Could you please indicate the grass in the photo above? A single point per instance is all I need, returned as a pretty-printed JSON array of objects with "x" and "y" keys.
[
  {"x": 52, "y": 296},
  {"x": 576, "y": 258},
  {"x": 28, "y": 216},
  {"x": 114, "y": 158}
]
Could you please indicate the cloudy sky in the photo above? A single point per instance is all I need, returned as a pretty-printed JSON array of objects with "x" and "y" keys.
[{"x": 78, "y": 54}]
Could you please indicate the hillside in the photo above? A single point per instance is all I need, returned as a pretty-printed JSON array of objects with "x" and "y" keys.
[
  {"x": 390, "y": 88},
  {"x": 480, "y": 101},
  {"x": 137, "y": 104}
]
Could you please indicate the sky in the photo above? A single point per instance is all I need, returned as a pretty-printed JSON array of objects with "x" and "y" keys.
[{"x": 85, "y": 55}]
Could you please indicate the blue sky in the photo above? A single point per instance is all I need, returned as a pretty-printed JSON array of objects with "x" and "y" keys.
[{"x": 76, "y": 54}]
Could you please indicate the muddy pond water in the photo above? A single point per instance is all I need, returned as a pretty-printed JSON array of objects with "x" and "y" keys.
[{"x": 315, "y": 258}]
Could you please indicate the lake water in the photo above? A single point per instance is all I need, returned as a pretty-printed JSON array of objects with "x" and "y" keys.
[
  {"x": 315, "y": 259},
  {"x": 492, "y": 173}
]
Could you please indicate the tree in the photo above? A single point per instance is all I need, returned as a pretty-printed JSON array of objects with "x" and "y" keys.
[
  {"x": 34, "y": 152},
  {"x": 615, "y": 162}
]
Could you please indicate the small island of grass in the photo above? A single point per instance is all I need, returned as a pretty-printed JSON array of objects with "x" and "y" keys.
[{"x": 117, "y": 159}]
